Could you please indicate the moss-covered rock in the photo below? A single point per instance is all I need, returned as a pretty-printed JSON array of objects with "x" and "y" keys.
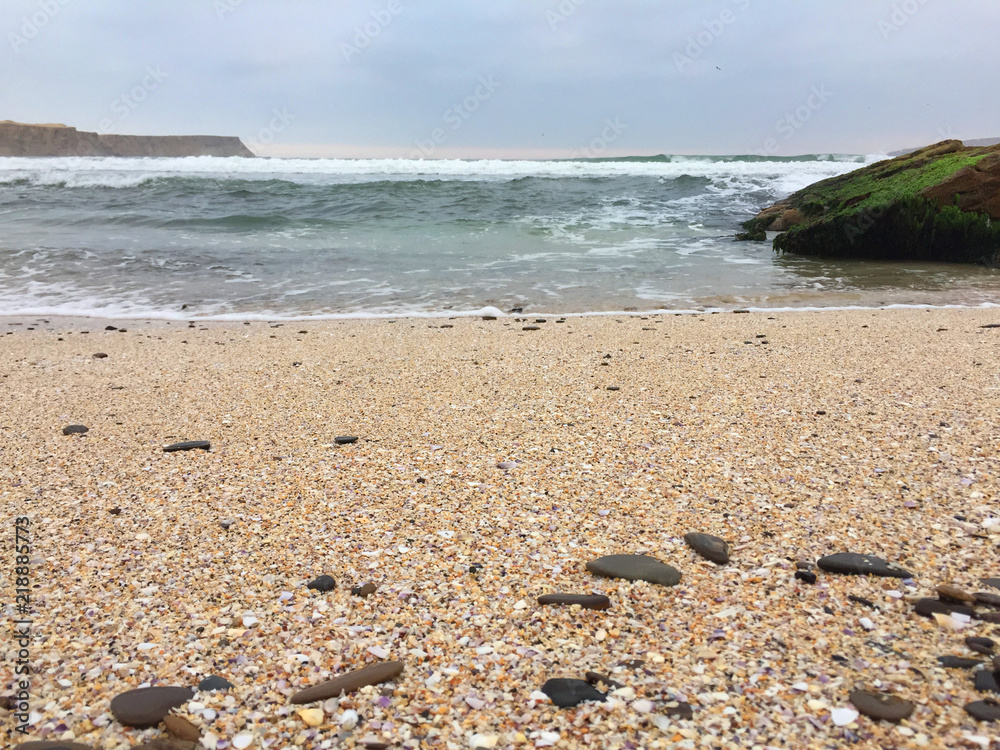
[{"x": 941, "y": 203}]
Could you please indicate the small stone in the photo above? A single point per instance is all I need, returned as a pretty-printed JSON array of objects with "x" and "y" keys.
[
  {"x": 843, "y": 716},
  {"x": 881, "y": 705},
  {"x": 710, "y": 547},
  {"x": 587, "y": 601},
  {"x": 805, "y": 565},
  {"x": 52, "y": 745},
  {"x": 594, "y": 678},
  {"x": 226, "y": 523},
  {"x": 987, "y": 710},
  {"x": 958, "y": 662},
  {"x": 373, "y": 674},
  {"x": 987, "y": 599},
  {"x": 364, "y": 590},
  {"x": 568, "y": 693},
  {"x": 322, "y": 583},
  {"x": 851, "y": 563},
  {"x": 74, "y": 429},
  {"x": 213, "y": 683},
  {"x": 345, "y": 439},
  {"x": 146, "y": 707},
  {"x": 530, "y": 328},
  {"x": 484, "y": 741},
  {"x": 929, "y": 607},
  {"x": 507, "y": 465},
  {"x": 115, "y": 511},
  {"x": 983, "y": 646},
  {"x": 954, "y": 595},
  {"x": 181, "y": 728},
  {"x": 188, "y": 446},
  {"x": 100, "y": 355},
  {"x": 635, "y": 568},
  {"x": 994, "y": 582},
  {"x": 986, "y": 682},
  {"x": 805, "y": 576},
  {"x": 681, "y": 710}
]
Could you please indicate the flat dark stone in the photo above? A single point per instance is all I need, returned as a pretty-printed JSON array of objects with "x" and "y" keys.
[
  {"x": 983, "y": 710},
  {"x": 682, "y": 711},
  {"x": 853, "y": 564},
  {"x": 881, "y": 705},
  {"x": 805, "y": 576},
  {"x": 213, "y": 683},
  {"x": 166, "y": 743},
  {"x": 983, "y": 646},
  {"x": 986, "y": 682},
  {"x": 146, "y": 707},
  {"x": 635, "y": 568},
  {"x": 930, "y": 607},
  {"x": 587, "y": 601},
  {"x": 594, "y": 678},
  {"x": 364, "y": 590},
  {"x": 322, "y": 583},
  {"x": 568, "y": 693},
  {"x": 530, "y": 328},
  {"x": 987, "y": 599},
  {"x": 53, "y": 745},
  {"x": 373, "y": 674},
  {"x": 345, "y": 439},
  {"x": 74, "y": 429},
  {"x": 994, "y": 582},
  {"x": 188, "y": 446},
  {"x": 958, "y": 662},
  {"x": 100, "y": 355},
  {"x": 710, "y": 547}
]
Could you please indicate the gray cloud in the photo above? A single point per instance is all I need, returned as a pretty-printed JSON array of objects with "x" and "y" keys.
[{"x": 724, "y": 76}]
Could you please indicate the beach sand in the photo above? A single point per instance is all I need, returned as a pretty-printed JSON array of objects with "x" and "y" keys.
[{"x": 792, "y": 435}]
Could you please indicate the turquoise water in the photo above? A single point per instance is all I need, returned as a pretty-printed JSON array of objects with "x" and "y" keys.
[{"x": 248, "y": 238}]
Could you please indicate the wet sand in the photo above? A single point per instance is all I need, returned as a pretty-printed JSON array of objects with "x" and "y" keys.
[{"x": 790, "y": 435}]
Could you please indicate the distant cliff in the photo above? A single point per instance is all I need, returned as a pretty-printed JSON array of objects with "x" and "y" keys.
[{"x": 17, "y": 139}]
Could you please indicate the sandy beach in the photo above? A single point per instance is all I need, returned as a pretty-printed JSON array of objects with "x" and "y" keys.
[{"x": 493, "y": 462}]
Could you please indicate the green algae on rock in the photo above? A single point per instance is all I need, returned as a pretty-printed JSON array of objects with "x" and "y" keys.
[{"x": 940, "y": 203}]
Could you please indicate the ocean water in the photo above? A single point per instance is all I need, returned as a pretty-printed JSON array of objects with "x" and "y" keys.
[{"x": 285, "y": 238}]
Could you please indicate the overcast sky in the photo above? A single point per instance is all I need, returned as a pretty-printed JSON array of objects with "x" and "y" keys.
[{"x": 445, "y": 78}]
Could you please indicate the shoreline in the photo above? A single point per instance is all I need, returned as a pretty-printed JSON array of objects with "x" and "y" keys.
[{"x": 496, "y": 459}]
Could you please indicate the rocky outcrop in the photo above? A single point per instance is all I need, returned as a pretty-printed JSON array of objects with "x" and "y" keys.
[
  {"x": 17, "y": 139},
  {"x": 940, "y": 203}
]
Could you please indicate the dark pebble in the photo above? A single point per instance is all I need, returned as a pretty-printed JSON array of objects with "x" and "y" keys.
[
  {"x": 805, "y": 565},
  {"x": 75, "y": 429},
  {"x": 180, "y": 728},
  {"x": 115, "y": 511},
  {"x": 987, "y": 599},
  {"x": 983, "y": 646},
  {"x": 682, "y": 711},
  {"x": 881, "y": 705},
  {"x": 188, "y": 446},
  {"x": 930, "y": 607},
  {"x": 958, "y": 662},
  {"x": 364, "y": 590},
  {"x": 861, "y": 600},
  {"x": 994, "y": 582},
  {"x": 530, "y": 328},
  {"x": 100, "y": 355},
  {"x": 345, "y": 440},
  {"x": 805, "y": 576},
  {"x": 986, "y": 682},
  {"x": 587, "y": 601},
  {"x": 595, "y": 678},
  {"x": 489, "y": 317},
  {"x": 323, "y": 583},
  {"x": 213, "y": 683},
  {"x": 987, "y": 710},
  {"x": 52, "y": 745},
  {"x": 613, "y": 388},
  {"x": 373, "y": 674},
  {"x": 635, "y": 568},
  {"x": 146, "y": 707},
  {"x": 568, "y": 693},
  {"x": 853, "y": 564},
  {"x": 110, "y": 328},
  {"x": 710, "y": 547},
  {"x": 226, "y": 523}
]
